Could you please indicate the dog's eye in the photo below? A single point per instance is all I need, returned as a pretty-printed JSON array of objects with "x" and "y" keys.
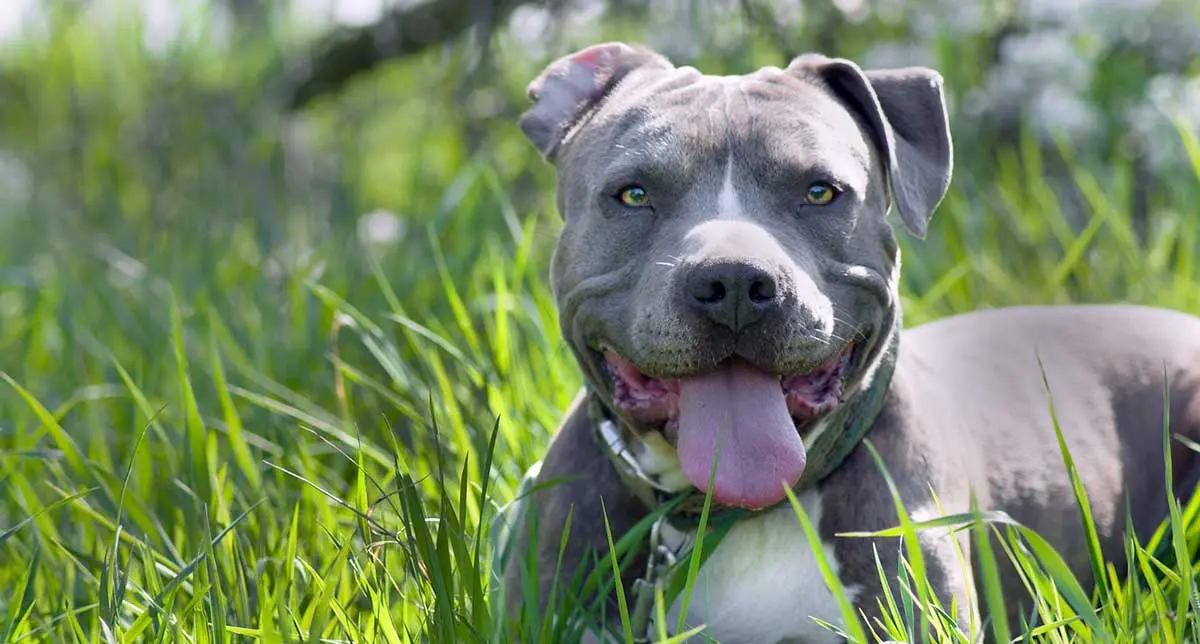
[
  {"x": 820, "y": 194},
  {"x": 634, "y": 197}
]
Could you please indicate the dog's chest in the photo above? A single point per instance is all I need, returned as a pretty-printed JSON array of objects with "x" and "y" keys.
[{"x": 764, "y": 585}]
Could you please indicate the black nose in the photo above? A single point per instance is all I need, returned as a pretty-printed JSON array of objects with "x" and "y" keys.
[{"x": 735, "y": 295}]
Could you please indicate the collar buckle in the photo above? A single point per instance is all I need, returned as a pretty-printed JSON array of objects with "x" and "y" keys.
[{"x": 667, "y": 546}]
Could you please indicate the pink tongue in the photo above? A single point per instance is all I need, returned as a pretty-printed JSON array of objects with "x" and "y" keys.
[{"x": 744, "y": 411}]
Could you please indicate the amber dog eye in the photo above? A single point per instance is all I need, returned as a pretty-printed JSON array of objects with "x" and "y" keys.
[
  {"x": 634, "y": 197},
  {"x": 820, "y": 194}
]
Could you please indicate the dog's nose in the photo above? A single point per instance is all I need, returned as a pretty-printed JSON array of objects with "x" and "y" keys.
[{"x": 734, "y": 295}]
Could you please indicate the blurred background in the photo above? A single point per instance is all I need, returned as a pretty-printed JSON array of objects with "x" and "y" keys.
[{"x": 240, "y": 236}]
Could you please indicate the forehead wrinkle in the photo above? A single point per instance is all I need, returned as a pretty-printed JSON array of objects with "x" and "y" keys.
[
  {"x": 718, "y": 116},
  {"x": 650, "y": 138},
  {"x": 813, "y": 151},
  {"x": 739, "y": 114},
  {"x": 748, "y": 109},
  {"x": 801, "y": 110},
  {"x": 810, "y": 131}
]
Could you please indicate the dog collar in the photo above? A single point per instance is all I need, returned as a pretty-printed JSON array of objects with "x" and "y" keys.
[{"x": 672, "y": 536}]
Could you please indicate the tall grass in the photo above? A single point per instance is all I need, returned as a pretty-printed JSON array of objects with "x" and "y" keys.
[{"x": 226, "y": 417}]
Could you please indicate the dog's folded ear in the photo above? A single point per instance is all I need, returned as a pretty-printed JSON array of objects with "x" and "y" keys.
[
  {"x": 573, "y": 86},
  {"x": 905, "y": 110}
]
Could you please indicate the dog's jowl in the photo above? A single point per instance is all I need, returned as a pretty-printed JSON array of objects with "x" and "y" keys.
[{"x": 726, "y": 278}]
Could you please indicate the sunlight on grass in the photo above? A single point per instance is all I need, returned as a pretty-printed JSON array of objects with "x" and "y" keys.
[{"x": 256, "y": 428}]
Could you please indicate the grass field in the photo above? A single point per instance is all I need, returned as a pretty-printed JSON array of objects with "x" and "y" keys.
[{"x": 234, "y": 410}]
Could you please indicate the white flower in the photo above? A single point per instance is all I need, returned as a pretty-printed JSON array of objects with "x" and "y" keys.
[
  {"x": 898, "y": 54},
  {"x": 16, "y": 182},
  {"x": 1058, "y": 111},
  {"x": 380, "y": 228},
  {"x": 1047, "y": 57},
  {"x": 529, "y": 26},
  {"x": 1172, "y": 102}
]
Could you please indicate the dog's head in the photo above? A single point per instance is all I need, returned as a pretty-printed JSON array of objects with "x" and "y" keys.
[{"x": 725, "y": 270}]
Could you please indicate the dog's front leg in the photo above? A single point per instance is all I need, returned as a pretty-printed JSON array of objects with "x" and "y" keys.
[
  {"x": 564, "y": 534},
  {"x": 858, "y": 499},
  {"x": 947, "y": 580}
]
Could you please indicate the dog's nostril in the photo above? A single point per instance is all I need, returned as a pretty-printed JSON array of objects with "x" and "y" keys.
[
  {"x": 712, "y": 292},
  {"x": 762, "y": 290}
]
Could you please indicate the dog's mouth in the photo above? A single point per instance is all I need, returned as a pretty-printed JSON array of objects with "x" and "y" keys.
[{"x": 750, "y": 421}]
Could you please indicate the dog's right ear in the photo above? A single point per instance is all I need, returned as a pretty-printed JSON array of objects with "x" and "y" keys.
[
  {"x": 905, "y": 110},
  {"x": 570, "y": 88}
]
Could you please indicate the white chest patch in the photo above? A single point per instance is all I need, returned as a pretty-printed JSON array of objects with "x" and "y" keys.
[{"x": 763, "y": 584}]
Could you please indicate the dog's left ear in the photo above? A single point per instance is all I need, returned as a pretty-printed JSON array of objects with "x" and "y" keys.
[
  {"x": 573, "y": 86},
  {"x": 905, "y": 110}
]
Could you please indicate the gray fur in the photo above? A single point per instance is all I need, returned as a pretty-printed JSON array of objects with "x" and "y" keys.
[{"x": 966, "y": 409}]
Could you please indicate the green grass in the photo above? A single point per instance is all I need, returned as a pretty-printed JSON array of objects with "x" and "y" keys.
[{"x": 225, "y": 419}]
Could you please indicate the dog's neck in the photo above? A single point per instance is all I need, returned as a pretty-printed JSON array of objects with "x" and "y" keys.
[{"x": 828, "y": 442}]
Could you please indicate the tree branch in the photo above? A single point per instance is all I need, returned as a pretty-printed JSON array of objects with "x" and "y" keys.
[{"x": 351, "y": 51}]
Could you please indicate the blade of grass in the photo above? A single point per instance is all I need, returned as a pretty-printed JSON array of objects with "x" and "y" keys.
[
  {"x": 622, "y": 606},
  {"x": 26, "y": 590},
  {"x": 832, "y": 582},
  {"x": 1095, "y": 554}
]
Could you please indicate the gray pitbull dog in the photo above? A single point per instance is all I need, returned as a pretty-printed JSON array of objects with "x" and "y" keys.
[{"x": 727, "y": 280}]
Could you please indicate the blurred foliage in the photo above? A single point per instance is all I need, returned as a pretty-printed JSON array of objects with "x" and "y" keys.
[{"x": 181, "y": 254}]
